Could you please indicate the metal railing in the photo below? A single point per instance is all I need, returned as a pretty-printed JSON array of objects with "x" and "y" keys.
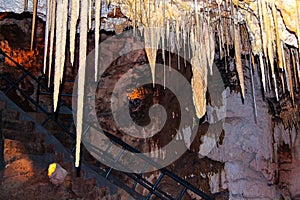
[
  {"x": 153, "y": 188},
  {"x": 14, "y": 84}
]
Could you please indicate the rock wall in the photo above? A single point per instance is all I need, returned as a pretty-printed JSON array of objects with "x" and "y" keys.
[{"x": 260, "y": 157}]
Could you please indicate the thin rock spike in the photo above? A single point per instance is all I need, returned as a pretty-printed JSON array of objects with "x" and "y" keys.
[
  {"x": 81, "y": 77},
  {"x": 252, "y": 87},
  {"x": 48, "y": 23},
  {"x": 294, "y": 68},
  {"x": 98, "y": 5},
  {"x": 35, "y": 3},
  {"x": 52, "y": 34},
  {"x": 73, "y": 25}
]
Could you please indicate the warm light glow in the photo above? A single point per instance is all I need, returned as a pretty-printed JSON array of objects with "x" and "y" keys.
[
  {"x": 28, "y": 59},
  {"x": 51, "y": 169}
]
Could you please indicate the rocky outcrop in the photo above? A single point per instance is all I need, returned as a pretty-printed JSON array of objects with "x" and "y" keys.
[{"x": 260, "y": 160}]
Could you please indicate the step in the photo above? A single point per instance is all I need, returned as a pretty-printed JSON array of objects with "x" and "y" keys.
[
  {"x": 10, "y": 114},
  {"x": 21, "y": 136},
  {"x": 15, "y": 147},
  {"x": 23, "y": 126},
  {"x": 2, "y": 105},
  {"x": 38, "y": 116}
]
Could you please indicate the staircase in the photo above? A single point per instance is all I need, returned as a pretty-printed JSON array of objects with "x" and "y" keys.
[
  {"x": 38, "y": 148},
  {"x": 29, "y": 149}
]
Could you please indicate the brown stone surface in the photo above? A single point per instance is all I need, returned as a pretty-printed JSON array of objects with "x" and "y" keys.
[{"x": 27, "y": 155}]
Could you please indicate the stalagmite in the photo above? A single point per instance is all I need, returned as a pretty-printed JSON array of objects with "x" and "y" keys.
[
  {"x": 73, "y": 25},
  {"x": 35, "y": 3},
  {"x": 81, "y": 76},
  {"x": 47, "y": 28}
]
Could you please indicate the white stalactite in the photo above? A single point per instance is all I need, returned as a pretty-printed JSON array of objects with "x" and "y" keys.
[
  {"x": 98, "y": 5},
  {"x": 73, "y": 25},
  {"x": 47, "y": 29},
  {"x": 81, "y": 76}
]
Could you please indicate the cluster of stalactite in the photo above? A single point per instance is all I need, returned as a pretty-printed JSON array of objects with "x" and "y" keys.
[{"x": 192, "y": 27}]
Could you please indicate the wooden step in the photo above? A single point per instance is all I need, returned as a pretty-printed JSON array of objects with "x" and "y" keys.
[
  {"x": 2, "y": 105},
  {"x": 22, "y": 136},
  {"x": 16, "y": 147},
  {"x": 38, "y": 116},
  {"x": 10, "y": 114},
  {"x": 25, "y": 127}
]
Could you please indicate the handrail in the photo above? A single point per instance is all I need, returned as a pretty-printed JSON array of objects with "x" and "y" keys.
[
  {"x": 152, "y": 188},
  {"x": 164, "y": 171}
]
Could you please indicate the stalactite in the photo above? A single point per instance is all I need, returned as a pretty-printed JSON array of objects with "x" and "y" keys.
[
  {"x": 200, "y": 41},
  {"x": 35, "y": 3},
  {"x": 293, "y": 64},
  {"x": 25, "y": 5},
  {"x": 164, "y": 34},
  {"x": 90, "y": 14},
  {"x": 262, "y": 69},
  {"x": 262, "y": 28},
  {"x": 81, "y": 76},
  {"x": 199, "y": 84},
  {"x": 268, "y": 28},
  {"x": 47, "y": 29},
  {"x": 60, "y": 45},
  {"x": 285, "y": 69},
  {"x": 184, "y": 34},
  {"x": 177, "y": 32},
  {"x": 296, "y": 65},
  {"x": 73, "y": 25},
  {"x": 298, "y": 23},
  {"x": 52, "y": 34},
  {"x": 252, "y": 87},
  {"x": 58, "y": 40},
  {"x": 210, "y": 47},
  {"x": 237, "y": 54},
  {"x": 98, "y": 5},
  {"x": 151, "y": 49},
  {"x": 278, "y": 41},
  {"x": 290, "y": 79}
]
